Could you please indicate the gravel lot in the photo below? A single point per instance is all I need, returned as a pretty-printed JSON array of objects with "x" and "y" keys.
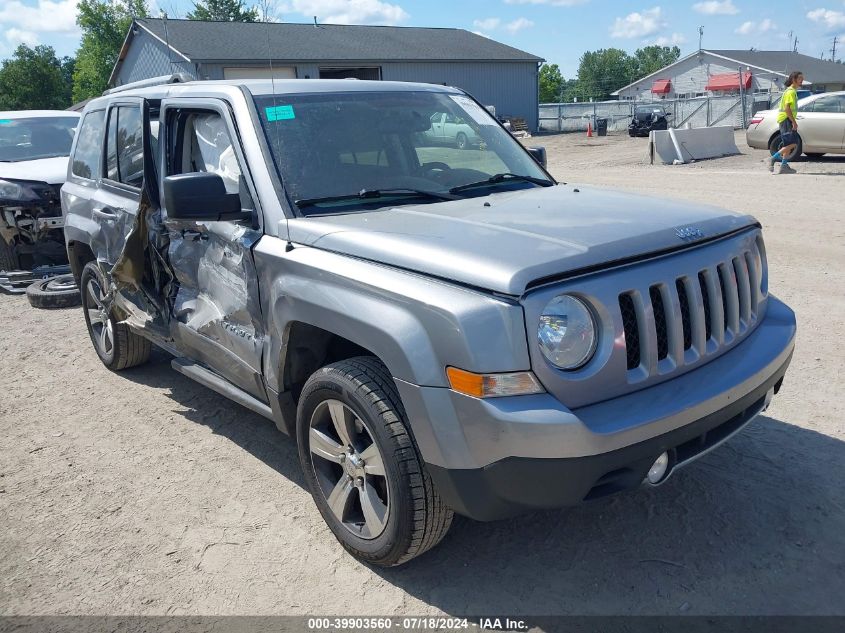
[{"x": 143, "y": 493}]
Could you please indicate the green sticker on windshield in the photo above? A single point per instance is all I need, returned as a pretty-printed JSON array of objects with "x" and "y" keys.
[{"x": 279, "y": 113}]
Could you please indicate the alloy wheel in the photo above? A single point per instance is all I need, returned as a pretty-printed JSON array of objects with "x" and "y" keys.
[
  {"x": 98, "y": 317},
  {"x": 349, "y": 469}
]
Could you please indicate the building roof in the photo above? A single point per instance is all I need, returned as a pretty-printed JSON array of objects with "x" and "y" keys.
[
  {"x": 781, "y": 63},
  {"x": 816, "y": 70},
  {"x": 252, "y": 41}
]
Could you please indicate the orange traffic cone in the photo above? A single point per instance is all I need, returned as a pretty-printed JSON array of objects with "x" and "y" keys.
[{"x": 589, "y": 129}]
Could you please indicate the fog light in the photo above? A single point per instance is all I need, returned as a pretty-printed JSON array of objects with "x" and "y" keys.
[{"x": 658, "y": 469}]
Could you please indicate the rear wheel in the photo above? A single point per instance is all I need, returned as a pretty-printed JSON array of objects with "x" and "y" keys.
[
  {"x": 775, "y": 144},
  {"x": 362, "y": 466},
  {"x": 116, "y": 345}
]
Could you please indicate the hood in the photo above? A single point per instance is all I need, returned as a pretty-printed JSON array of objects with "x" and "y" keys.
[
  {"x": 504, "y": 241},
  {"x": 53, "y": 171}
]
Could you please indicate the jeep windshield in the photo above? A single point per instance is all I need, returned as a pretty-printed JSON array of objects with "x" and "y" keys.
[
  {"x": 412, "y": 147},
  {"x": 36, "y": 137}
]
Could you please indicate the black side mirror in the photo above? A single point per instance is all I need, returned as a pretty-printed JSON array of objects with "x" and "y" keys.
[
  {"x": 201, "y": 197},
  {"x": 538, "y": 154}
]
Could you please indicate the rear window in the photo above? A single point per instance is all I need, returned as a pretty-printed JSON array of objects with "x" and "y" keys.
[{"x": 86, "y": 156}]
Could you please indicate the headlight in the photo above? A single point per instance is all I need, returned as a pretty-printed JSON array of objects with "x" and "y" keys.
[
  {"x": 10, "y": 190},
  {"x": 567, "y": 332}
]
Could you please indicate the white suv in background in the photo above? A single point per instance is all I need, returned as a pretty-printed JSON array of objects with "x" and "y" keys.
[{"x": 34, "y": 150}]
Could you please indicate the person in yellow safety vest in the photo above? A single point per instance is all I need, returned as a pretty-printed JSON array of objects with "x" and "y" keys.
[{"x": 788, "y": 126}]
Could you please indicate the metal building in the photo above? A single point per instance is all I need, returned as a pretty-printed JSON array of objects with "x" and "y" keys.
[{"x": 494, "y": 73}]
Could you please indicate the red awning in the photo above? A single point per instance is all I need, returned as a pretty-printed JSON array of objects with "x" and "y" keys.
[
  {"x": 728, "y": 81},
  {"x": 661, "y": 86}
]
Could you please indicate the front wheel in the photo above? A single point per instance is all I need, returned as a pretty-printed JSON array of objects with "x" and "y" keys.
[
  {"x": 362, "y": 466},
  {"x": 461, "y": 140},
  {"x": 117, "y": 346}
]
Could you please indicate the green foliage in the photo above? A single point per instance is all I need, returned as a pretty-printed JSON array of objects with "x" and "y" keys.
[
  {"x": 551, "y": 83},
  {"x": 652, "y": 58},
  {"x": 34, "y": 79},
  {"x": 104, "y": 25},
  {"x": 602, "y": 72},
  {"x": 223, "y": 10}
]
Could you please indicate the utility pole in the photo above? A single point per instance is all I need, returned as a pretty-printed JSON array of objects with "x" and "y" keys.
[
  {"x": 795, "y": 46},
  {"x": 833, "y": 50},
  {"x": 700, "y": 37}
]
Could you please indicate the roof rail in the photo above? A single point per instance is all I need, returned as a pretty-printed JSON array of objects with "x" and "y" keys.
[{"x": 175, "y": 78}]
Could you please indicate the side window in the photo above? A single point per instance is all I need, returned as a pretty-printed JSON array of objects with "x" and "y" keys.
[
  {"x": 86, "y": 157},
  {"x": 204, "y": 145},
  {"x": 827, "y": 104},
  {"x": 125, "y": 146}
]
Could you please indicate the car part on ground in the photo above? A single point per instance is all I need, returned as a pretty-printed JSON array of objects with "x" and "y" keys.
[
  {"x": 15, "y": 282},
  {"x": 57, "y": 292},
  {"x": 430, "y": 370}
]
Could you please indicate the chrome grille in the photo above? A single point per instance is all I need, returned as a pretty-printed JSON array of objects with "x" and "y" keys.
[{"x": 677, "y": 321}]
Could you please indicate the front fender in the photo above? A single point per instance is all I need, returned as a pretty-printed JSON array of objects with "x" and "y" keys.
[{"x": 416, "y": 325}]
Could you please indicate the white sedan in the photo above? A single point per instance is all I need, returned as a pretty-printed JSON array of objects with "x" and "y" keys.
[{"x": 821, "y": 126}]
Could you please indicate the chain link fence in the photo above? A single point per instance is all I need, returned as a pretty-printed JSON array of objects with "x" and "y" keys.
[{"x": 694, "y": 112}]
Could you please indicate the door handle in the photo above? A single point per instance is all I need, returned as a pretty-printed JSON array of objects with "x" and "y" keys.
[{"x": 104, "y": 212}]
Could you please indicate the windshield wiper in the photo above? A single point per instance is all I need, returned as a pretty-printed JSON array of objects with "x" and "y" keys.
[
  {"x": 503, "y": 177},
  {"x": 369, "y": 194}
]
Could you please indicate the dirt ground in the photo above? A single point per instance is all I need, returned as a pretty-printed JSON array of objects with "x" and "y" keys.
[{"x": 144, "y": 493}]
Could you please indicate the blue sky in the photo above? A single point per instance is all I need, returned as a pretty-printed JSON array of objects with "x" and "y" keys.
[{"x": 558, "y": 30}]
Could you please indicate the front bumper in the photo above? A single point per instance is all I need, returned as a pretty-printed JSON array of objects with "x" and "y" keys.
[{"x": 496, "y": 458}]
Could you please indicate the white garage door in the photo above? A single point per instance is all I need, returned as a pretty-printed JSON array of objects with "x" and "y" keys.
[{"x": 281, "y": 72}]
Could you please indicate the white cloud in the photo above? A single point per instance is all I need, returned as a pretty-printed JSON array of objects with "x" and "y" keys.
[
  {"x": 676, "y": 39},
  {"x": 642, "y": 24},
  {"x": 831, "y": 20},
  {"x": 766, "y": 25},
  {"x": 349, "y": 11},
  {"x": 44, "y": 17},
  {"x": 487, "y": 24},
  {"x": 519, "y": 24},
  {"x": 482, "y": 34},
  {"x": 553, "y": 3},
  {"x": 745, "y": 28},
  {"x": 716, "y": 7},
  {"x": 749, "y": 27},
  {"x": 17, "y": 36}
]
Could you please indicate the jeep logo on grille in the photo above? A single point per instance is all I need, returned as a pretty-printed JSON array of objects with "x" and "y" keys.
[{"x": 689, "y": 233}]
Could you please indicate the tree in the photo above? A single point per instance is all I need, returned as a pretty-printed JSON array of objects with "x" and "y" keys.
[
  {"x": 104, "y": 25},
  {"x": 33, "y": 80},
  {"x": 551, "y": 82},
  {"x": 602, "y": 72},
  {"x": 223, "y": 10},
  {"x": 652, "y": 58}
]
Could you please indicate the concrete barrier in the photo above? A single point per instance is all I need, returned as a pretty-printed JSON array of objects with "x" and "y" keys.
[{"x": 682, "y": 146}]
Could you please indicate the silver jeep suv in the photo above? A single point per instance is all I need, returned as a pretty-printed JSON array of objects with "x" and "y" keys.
[{"x": 442, "y": 330}]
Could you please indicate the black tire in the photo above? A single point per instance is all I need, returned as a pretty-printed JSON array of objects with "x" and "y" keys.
[
  {"x": 775, "y": 145},
  {"x": 57, "y": 292},
  {"x": 127, "y": 349},
  {"x": 416, "y": 517},
  {"x": 461, "y": 141},
  {"x": 8, "y": 257}
]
